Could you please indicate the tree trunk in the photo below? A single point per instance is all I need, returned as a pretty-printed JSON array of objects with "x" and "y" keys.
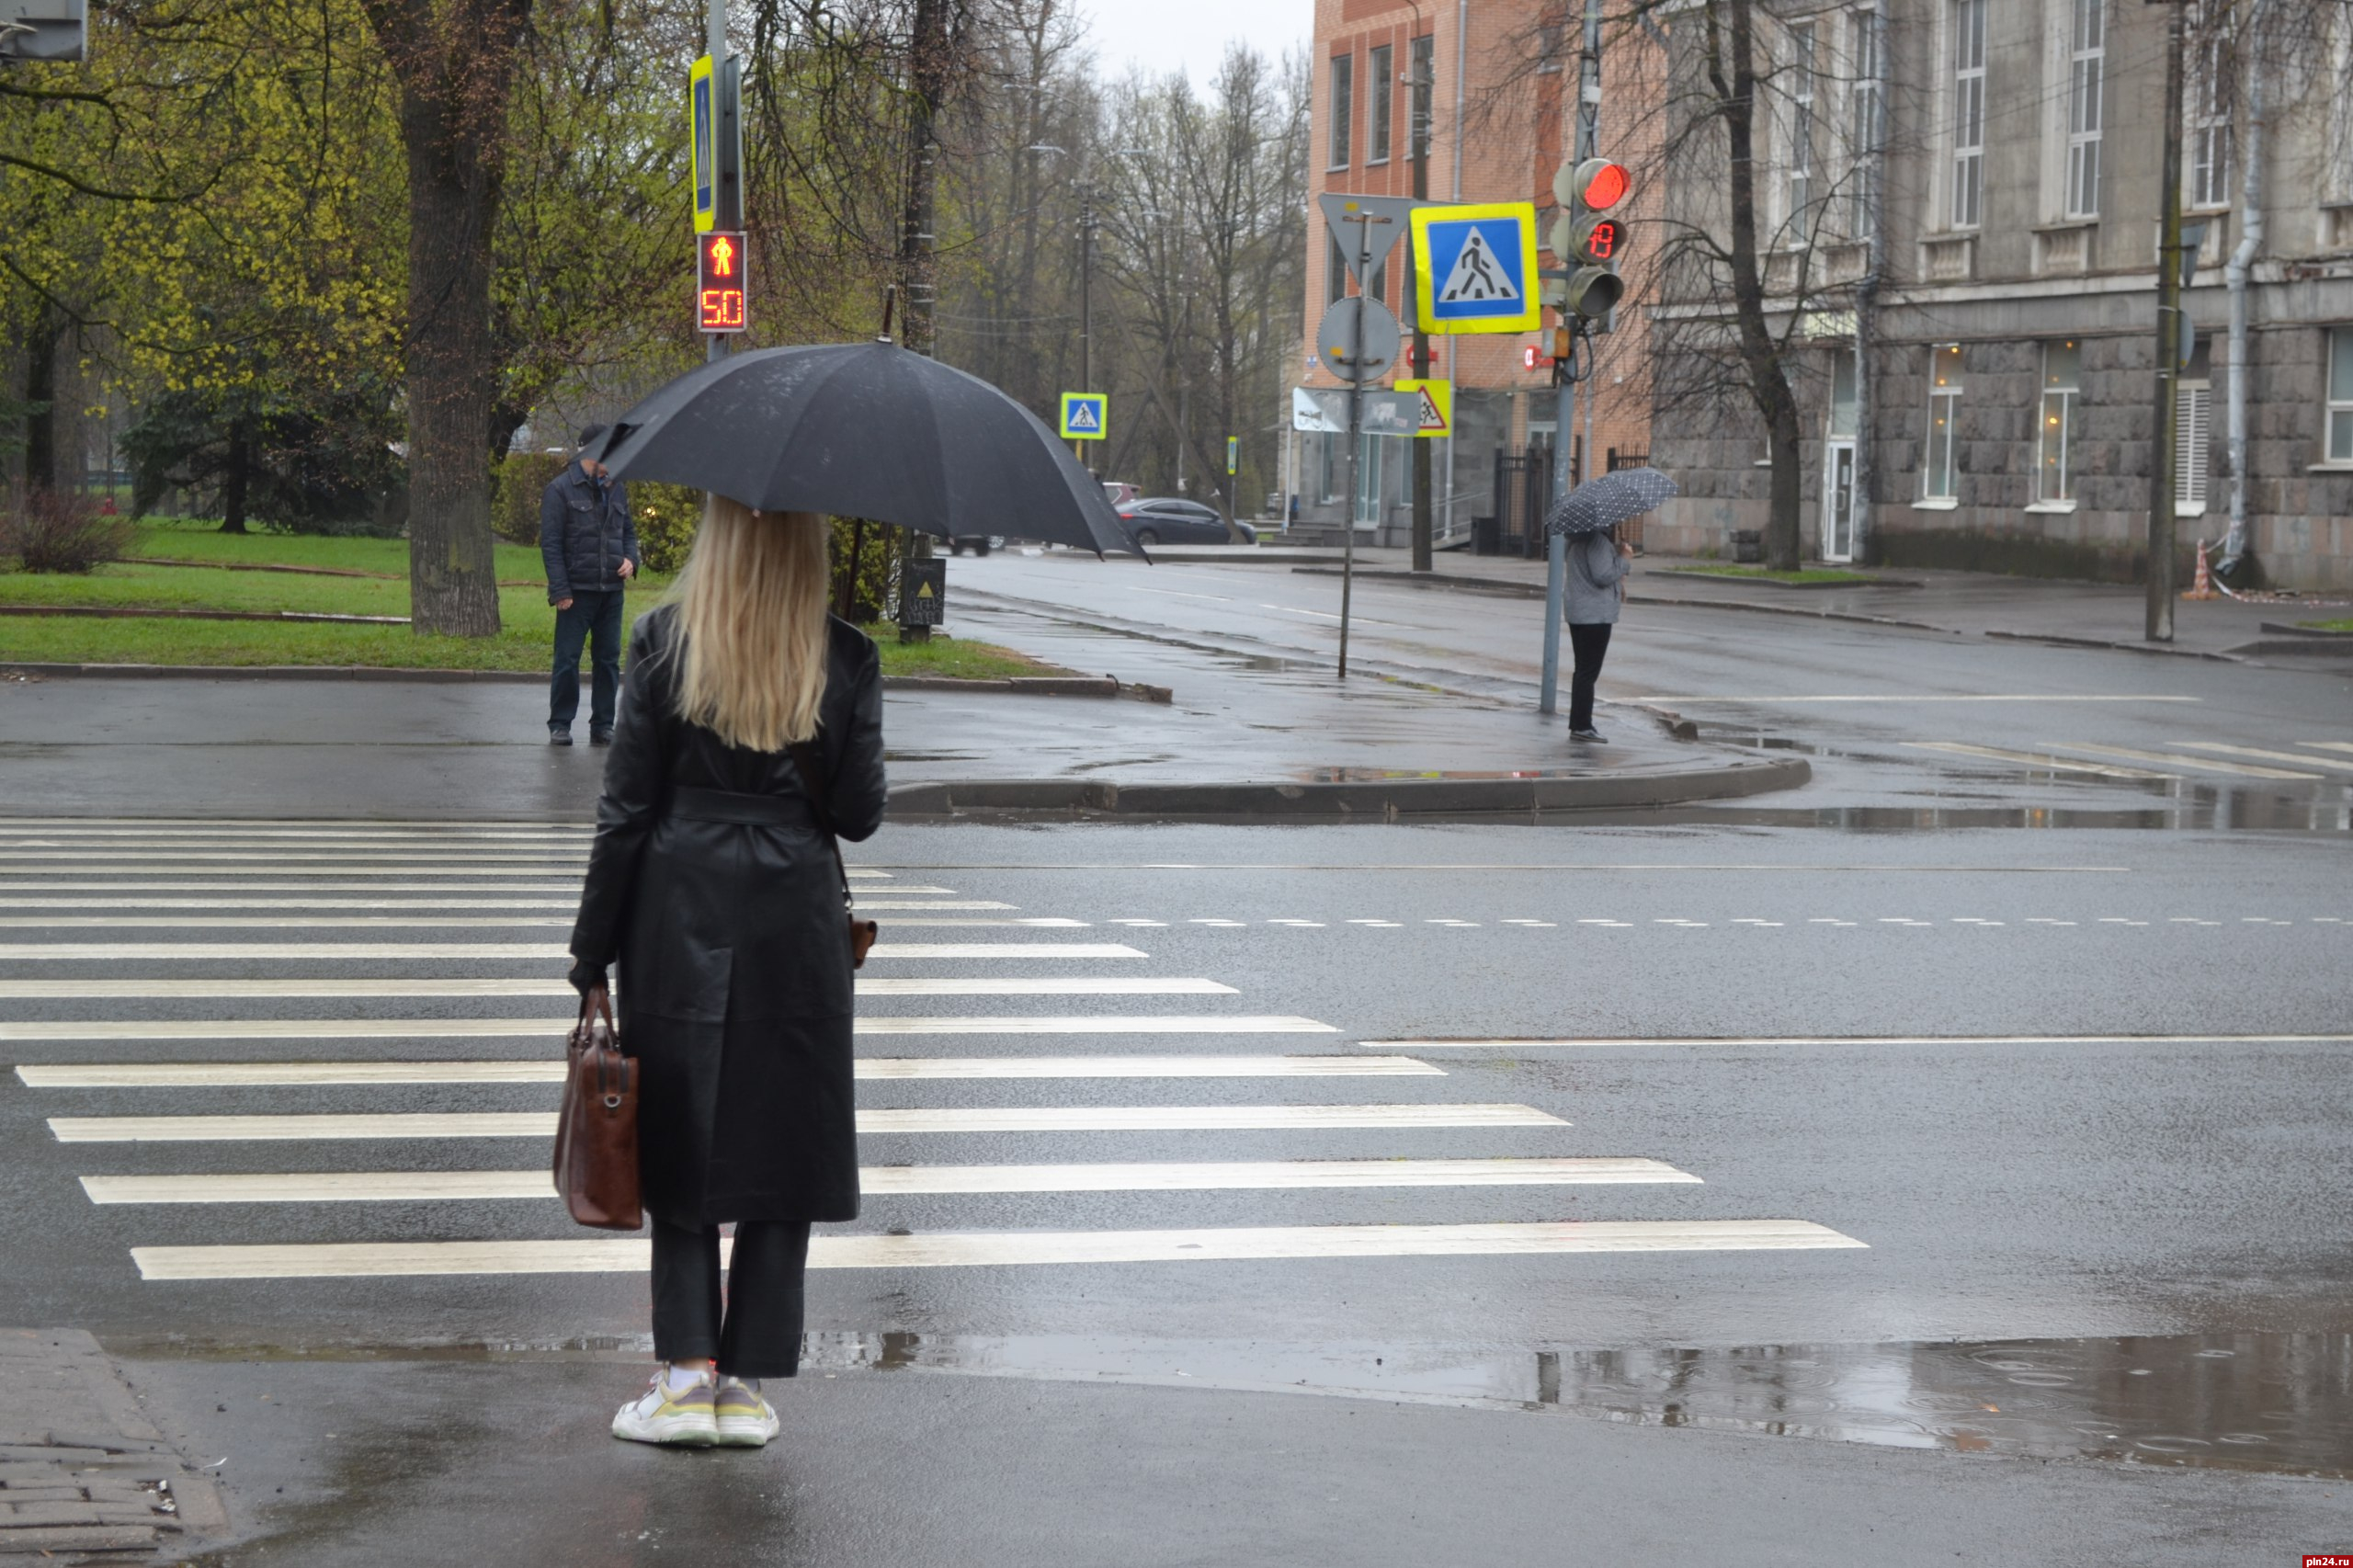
[
  {"x": 234, "y": 483},
  {"x": 40, "y": 398},
  {"x": 455, "y": 63}
]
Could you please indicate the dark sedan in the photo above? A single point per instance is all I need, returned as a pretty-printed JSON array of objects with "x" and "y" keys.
[{"x": 1169, "y": 520}]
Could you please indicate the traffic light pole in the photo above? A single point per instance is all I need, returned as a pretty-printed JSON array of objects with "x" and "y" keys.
[
  {"x": 1419, "y": 96},
  {"x": 1565, "y": 404},
  {"x": 728, "y": 193},
  {"x": 2159, "y": 618},
  {"x": 1356, "y": 433}
]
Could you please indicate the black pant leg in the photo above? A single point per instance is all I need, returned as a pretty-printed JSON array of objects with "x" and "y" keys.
[
  {"x": 686, "y": 1291},
  {"x": 604, "y": 658},
  {"x": 563, "y": 685},
  {"x": 766, "y": 1300},
  {"x": 1588, "y": 645}
]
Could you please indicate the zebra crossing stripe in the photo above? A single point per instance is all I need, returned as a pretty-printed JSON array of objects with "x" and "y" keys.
[
  {"x": 2174, "y": 759},
  {"x": 1861, "y": 1040},
  {"x": 149, "y": 952},
  {"x": 924, "y": 1118},
  {"x": 447, "y": 1028},
  {"x": 981, "y": 1249},
  {"x": 897, "y": 1181},
  {"x": 868, "y": 985},
  {"x": 525, "y": 1070}
]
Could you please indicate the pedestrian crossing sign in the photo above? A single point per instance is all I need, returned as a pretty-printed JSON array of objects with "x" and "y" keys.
[
  {"x": 1084, "y": 416},
  {"x": 1476, "y": 267},
  {"x": 1437, "y": 405}
]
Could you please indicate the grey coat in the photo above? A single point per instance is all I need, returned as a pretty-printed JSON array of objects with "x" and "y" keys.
[
  {"x": 1595, "y": 571},
  {"x": 586, "y": 533},
  {"x": 712, "y": 884}
]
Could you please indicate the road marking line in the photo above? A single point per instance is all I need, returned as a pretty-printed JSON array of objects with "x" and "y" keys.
[
  {"x": 465, "y": 899},
  {"x": 1863, "y": 1040},
  {"x": 1974, "y": 920},
  {"x": 2119, "y": 920},
  {"x": 1622, "y": 925},
  {"x": 1547, "y": 924},
  {"x": 22, "y": 951},
  {"x": 297, "y": 862},
  {"x": 1751, "y": 920},
  {"x": 883, "y": 1069},
  {"x": 1385, "y": 925},
  {"x": 1135, "y": 922},
  {"x": 209, "y": 829},
  {"x": 1826, "y": 920},
  {"x": 1450, "y": 921},
  {"x": 537, "y": 904},
  {"x": 1215, "y": 921},
  {"x": 2045, "y": 920},
  {"x": 925, "y": 1119},
  {"x": 2203, "y": 764},
  {"x": 443, "y": 1028},
  {"x": 868, "y": 985},
  {"x": 1902, "y": 920},
  {"x": 283, "y": 922},
  {"x": 1911, "y": 697},
  {"x": 2328, "y": 745},
  {"x": 621, "y": 1256},
  {"x": 2033, "y": 758},
  {"x": 897, "y": 1181},
  {"x": 2190, "y": 920},
  {"x": 1316, "y": 923},
  {"x": 2264, "y": 756}
]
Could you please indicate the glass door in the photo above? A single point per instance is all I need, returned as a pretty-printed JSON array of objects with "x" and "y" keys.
[{"x": 1838, "y": 501}]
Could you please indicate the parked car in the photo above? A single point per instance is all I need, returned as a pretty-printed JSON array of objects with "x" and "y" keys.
[
  {"x": 1119, "y": 491},
  {"x": 1171, "y": 520},
  {"x": 978, "y": 544}
]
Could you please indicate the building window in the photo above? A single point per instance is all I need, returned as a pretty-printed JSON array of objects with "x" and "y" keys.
[
  {"x": 2340, "y": 395},
  {"x": 1968, "y": 111},
  {"x": 1332, "y": 475},
  {"x": 1344, "y": 93},
  {"x": 2055, "y": 440},
  {"x": 1423, "y": 54},
  {"x": 1939, "y": 473},
  {"x": 1843, "y": 404},
  {"x": 2086, "y": 105},
  {"x": 1801, "y": 84},
  {"x": 1863, "y": 131},
  {"x": 2209, "y": 121},
  {"x": 2193, "y": 416},
  {"x": 1380, "y": 91}
]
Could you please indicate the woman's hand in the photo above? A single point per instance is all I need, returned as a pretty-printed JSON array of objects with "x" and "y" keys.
[{"x": 1626, "y": 550}]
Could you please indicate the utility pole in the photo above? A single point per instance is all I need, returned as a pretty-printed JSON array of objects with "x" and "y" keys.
[
  {"x": 928, "y": 71},
  {"x": 1419, "y": 98},
  {"x": 1356, "y": 432},
  {"x": 1086, "y": 298},
  {"x": 1564, "y": 407},
  {"x": 726, "y": 145},
  {"x": 2159, "y": 620}
]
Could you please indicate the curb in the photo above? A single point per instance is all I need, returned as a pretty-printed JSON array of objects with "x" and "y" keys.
[
  {"x": 1366, "y": 800},
  {"x": 1792, "y": 587},
  {"x": 1028, "y": 685},
  {"x": 2062, "y": 640},
  {"x": 1502, "y": 588}
]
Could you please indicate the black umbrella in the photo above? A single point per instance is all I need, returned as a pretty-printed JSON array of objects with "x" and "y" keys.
[
  {"x": 1606, "y": 502},
  {"x": 865, "y": 430}
]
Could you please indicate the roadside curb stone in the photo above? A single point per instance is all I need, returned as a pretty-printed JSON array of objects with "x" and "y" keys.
[
  {"x": 84, "y": 1475},
  {"x": 1021, "y": 686}
]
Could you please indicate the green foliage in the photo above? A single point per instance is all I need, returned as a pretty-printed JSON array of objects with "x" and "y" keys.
[
  {"x": 516, "y": 486},
  {"x": 327, "y": 467},
  {"x": 668, "y": 515},
  {"x": 875, "y": 572}
]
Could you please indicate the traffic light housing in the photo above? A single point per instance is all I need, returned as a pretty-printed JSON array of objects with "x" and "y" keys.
[
  {"x": 1590, "y": 237},
  {"x": 720, "y": 280}
]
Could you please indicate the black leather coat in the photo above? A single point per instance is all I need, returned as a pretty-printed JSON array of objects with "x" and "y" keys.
[{"x": 712, "y": 885}]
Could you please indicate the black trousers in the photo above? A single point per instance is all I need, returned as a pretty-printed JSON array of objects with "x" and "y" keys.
[
  {"x": 1590, "y": 645},
  {"x": 593, "y": 620},
  {"x": 761, "y": 1335}
]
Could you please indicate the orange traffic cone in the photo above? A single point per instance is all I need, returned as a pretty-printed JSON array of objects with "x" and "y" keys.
[{"x": 2203, "y": 587}]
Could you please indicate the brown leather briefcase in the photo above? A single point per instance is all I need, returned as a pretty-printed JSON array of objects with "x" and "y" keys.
[{"x": 595, "y": 1134}]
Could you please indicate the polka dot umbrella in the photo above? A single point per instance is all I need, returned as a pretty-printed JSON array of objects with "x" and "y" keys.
[{"x": 1604, "y": 502}]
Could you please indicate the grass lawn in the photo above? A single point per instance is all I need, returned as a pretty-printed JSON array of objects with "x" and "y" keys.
[
  {"x": 527, "y": 621},
  {"x": 2328, "y": 625},
  {"x": 1803, "y": 574}
]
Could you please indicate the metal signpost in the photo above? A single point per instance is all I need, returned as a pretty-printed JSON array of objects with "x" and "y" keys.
[{"x": 922, "y": 592}]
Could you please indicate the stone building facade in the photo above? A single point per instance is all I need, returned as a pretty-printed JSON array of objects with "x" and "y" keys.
[
  {"x": 2013, "y": 376},
  {"x": 1498, "y": 117}
]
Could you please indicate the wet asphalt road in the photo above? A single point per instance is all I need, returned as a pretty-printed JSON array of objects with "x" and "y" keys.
[{"x": 2044, "y": 1078}]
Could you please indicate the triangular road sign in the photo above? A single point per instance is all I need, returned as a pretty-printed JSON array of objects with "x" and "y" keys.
[
  {"x": 1390, "y": 213},
  {"x": 1476, "y": 274},
  {"x": 1432, "y": 420}
]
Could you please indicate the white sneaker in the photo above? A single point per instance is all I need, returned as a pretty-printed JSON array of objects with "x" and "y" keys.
[
  {"x": 745, "y": 1420},
  {"x": 683, "y": 1417}
]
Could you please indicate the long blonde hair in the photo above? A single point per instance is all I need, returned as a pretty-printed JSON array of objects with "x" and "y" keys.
[{"x": 751, "y": 620}]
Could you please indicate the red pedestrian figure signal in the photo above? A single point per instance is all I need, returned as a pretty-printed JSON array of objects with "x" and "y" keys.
[{"x": 718, "y": 284}]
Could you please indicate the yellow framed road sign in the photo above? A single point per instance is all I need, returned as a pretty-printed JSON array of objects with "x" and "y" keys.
[
  {"x": 1437, "y": 405},
  {"x": 702, "y": 136},
  {"x": 1476, "y": 267},
  {"x": 1084, "y": 415}
]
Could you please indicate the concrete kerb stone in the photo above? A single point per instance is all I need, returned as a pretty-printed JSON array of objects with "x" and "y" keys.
[
  {"x": 1495, "y": 588},
  {"x": 1021, "y": 686},
  {"x": 2062, "y": 641},
  {"x": 1353, "y": 800}
]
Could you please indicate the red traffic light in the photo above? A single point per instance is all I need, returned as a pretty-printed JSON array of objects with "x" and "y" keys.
[
  {"x": 1601, "y": 184},
  {"x": 1532, "y": 358},
  {"x": 720, "y": 281}
]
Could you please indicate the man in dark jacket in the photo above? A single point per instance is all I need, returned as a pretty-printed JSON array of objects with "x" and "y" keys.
[{"x": 590, "y": 546}]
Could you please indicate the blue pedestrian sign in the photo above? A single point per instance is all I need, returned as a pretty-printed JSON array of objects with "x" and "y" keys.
[
  {"x": 1083, "y": 417},
  {"x": 1476, "y": 267}
]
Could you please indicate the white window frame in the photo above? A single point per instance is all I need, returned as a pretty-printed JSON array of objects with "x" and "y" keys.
[
  {"x": 1967, "y": 121},
  {"x": 2057, "y": 410},
  {"x": 2193, "y": 426},
  {"x": 2210, "y": 127},
  {"x": 1342, "y": 104},
  {"x": 1379, "y": 105},
  {"x": 1947, "y": 395},
  {"x": 1804, "y": 75},
  {"x": 2337, "y": 418},
  {"x": 1862, "y": 118},
  {"x": 2086, "y": 105}
]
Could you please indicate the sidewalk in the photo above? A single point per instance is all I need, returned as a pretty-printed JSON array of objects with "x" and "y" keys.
[{"x": 2105, "y": 615}]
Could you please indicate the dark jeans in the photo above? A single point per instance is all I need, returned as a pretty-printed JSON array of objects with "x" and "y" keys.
[
  {"x": 595, "y": 619},
  {"x": 761, "y": 1335},
  {"x": 1590, "y": 645}
]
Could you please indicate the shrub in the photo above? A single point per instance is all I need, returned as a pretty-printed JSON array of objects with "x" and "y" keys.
[
  {"x": 516, "y": 488},
  {"x": 668, "y": 515},
  {"x": 57, "y": 530}
]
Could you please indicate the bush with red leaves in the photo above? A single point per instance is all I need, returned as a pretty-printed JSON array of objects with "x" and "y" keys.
[{"x": 57, "y": 530}]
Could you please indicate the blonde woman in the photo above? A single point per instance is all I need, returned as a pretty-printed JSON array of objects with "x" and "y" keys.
[{"x": 750, "y": 732}]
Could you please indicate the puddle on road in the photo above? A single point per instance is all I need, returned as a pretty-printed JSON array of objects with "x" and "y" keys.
[{"x": 2279, "y": 1402}]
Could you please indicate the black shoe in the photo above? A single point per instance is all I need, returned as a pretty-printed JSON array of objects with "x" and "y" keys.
[
  {"x": 600, "y": 737},
  {"x": 1588, "y": 733},
  {"x": 559, "y": 734}
]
